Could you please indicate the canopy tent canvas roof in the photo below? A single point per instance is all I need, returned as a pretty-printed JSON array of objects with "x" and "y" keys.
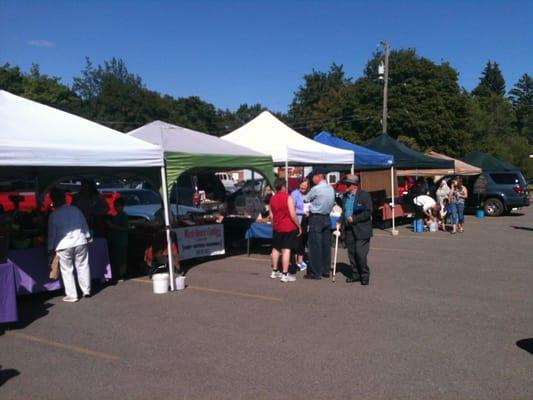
[
  {"x": 365, "y": 159},
  {"x": 186, "y": 149},
  {"x": 407, "y": 159},
  {"x": 488, "y": 162},
  {"x": 32, "y": 134},
  {"x": 269, "y": 135},
  {"x": 460, "y": 167},
  {"x": 44, "y": 142}
]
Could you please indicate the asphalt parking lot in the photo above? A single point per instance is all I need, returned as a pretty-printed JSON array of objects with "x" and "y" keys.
[{"x": 444, "y": 317}]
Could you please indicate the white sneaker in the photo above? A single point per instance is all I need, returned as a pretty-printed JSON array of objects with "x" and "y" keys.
[
  {"x": 275, "y": 274},
  {"x": 288, "y": 278},
  {"x": 302, "y": 266},
  {"x": 70, "y": 299}
]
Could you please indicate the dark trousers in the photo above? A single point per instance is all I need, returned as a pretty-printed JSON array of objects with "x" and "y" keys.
[
  {"x": 357, "y": 253},
  {"x": 319, "y": 244}
]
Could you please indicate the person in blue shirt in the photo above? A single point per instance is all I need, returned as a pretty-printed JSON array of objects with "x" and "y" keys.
[
  {"x": 321, "y": 199},
  {"x": 298, "y": 196},
  {"x": 356, "y": 225}
]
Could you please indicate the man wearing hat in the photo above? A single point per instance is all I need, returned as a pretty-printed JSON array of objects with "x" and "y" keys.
[
  {"x": 321, "y": 199},
  {"x": 356, "y": 223}
]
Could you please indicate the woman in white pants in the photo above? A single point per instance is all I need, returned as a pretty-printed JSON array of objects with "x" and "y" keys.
[{"x": 68, "y": 236}]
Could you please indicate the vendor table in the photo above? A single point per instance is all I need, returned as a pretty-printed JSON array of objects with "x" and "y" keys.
[
  {"x": 31, "y": 267},
  {"x": 8, "y": 293},
  {"x": 26, "y": 271},
  {"x": 264, "y": 231}
]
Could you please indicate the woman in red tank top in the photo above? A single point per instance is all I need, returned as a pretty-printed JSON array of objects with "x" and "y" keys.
[{"x": 286, "y": 228}]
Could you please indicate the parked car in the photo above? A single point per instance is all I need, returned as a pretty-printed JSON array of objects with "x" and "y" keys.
[
  {"x": 497, "y": 192},
  {"x": 204, "y": 191},
  {"x": 142, "y": 204},
  {"x": 227, "y": 181},
  {"x": 250, "y": 198}
]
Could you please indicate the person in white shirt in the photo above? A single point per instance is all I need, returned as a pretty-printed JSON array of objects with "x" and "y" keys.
[
  {"x": 428, "y": 206},
  {"x": 68, "y": 238}
]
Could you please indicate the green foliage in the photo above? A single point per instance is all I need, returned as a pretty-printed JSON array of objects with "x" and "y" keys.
[
  {"x": 11, "y": 79},
  {"x": 491, "y": 82},
  {"x": 522, "y": 99},
  {"x": 38, "y": 87},
  {"x": 310, "y": 100}
]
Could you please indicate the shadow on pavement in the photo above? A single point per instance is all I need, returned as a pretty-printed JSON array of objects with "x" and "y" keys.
[
  {"x": 526, "y": 344},
  {"x": 344, "y": 269},
  {"x": 7, "y": 374},
  {"x": 524, "y": 228}
]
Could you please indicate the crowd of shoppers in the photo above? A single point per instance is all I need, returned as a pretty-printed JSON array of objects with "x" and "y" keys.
[
  {"x": 442, "y": 204},
  {"x": 304, "y": 218}
]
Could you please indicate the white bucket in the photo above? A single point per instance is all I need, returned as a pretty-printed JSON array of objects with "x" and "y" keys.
[
  {"x": 160, "y": 283},
  {"x": 180, "y": 282}
]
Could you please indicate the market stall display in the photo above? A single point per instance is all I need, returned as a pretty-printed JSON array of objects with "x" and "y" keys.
[
  {"x": 45, "y": 143},
  {"x": 27, "y": 271},
  {"x": 192, "y": 152}
]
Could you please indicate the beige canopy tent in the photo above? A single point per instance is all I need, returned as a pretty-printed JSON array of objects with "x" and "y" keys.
[{"x": 460, "y": 168}]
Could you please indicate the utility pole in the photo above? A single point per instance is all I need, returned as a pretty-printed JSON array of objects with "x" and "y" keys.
[{"x": 386, "y": 85}]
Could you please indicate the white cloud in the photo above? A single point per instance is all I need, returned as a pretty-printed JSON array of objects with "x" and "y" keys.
[{"x": 42, "y": 43}]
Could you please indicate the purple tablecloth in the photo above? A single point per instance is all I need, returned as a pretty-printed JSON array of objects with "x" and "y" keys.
[
  {"x": 32, "y": 270},
  {"x": 8, "y": 293}
]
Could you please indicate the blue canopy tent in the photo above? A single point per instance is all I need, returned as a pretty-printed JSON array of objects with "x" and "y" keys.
[{"x": 365, "y": 160}]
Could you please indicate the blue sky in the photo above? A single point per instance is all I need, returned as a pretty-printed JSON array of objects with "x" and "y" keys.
[{"x": 234, "y": 52}]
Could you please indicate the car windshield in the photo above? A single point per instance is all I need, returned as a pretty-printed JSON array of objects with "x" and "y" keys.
[{"x": 140, "y": 197}]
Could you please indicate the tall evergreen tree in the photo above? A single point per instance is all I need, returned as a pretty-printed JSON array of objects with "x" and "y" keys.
[
  {"x": 491, "y": 81},
  {"x": 522, "y": 98}
]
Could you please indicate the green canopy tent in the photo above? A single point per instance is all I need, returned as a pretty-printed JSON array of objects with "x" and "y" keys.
[
  {"x": 487, "y": 162},
  {"x": 187, "y": 150}
]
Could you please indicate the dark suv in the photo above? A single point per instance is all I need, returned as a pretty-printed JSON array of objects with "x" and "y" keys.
[{"x": 497, "y": 192}]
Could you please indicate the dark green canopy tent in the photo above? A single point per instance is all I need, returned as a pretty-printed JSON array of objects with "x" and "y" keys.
[
  {"x": 487, "y": 162},
  {"x": 406, "y": 158}
]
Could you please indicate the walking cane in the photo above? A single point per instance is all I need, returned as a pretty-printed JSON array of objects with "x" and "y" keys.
[{"x": 336, "y": 234}]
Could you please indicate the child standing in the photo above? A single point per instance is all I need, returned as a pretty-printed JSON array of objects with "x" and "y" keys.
[{"x": 118, "y": 240}]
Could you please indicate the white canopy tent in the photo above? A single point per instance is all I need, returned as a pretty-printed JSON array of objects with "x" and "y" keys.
[
  {"x": 267, "y": 134},
  {"x": 40, "y": 138},
  {"x": 32, "y": 134}
]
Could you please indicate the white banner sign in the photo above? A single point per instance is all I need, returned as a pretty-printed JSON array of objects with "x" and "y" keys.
[{"x": 200, "y": 241}]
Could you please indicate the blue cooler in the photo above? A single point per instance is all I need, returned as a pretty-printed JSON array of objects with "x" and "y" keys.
[
  {"x": 480, "y": 213},
  {"x": 418, "y": 225}
]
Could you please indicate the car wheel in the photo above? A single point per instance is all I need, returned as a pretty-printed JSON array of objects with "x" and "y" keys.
[{"x": 494, "y": 207}]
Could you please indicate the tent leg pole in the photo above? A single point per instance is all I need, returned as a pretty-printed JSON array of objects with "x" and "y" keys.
[
  {"x": 352, "y": 170},
  {"x": 166, "y": 210},
  {"x": 287, "y": 173},
  {"x": 394, "y": 231}
]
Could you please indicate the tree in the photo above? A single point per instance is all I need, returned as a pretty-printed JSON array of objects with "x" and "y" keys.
[
  {"x": 522, "y": 99},
  {"x": 305, "y": 110},
  {"x": 491, "y": 81},
  {"x": 49, "y": 90},
  {"x": 11, "y": 79}
]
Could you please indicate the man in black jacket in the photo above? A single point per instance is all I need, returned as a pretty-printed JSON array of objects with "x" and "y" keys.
[{"x": 356, "y": 223}]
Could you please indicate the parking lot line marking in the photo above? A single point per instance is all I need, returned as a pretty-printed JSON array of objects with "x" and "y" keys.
[
  {"x": 226, "y": 292},
  {"x": 252, "y": 258},
  {"x": 76, "y": 349},
  {"x": 240, "y": 294}
]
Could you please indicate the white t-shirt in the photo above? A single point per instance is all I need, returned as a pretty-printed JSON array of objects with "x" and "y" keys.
[
  {"x": 426, "y": 202},
  {"x": 67, "y": 228}
]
